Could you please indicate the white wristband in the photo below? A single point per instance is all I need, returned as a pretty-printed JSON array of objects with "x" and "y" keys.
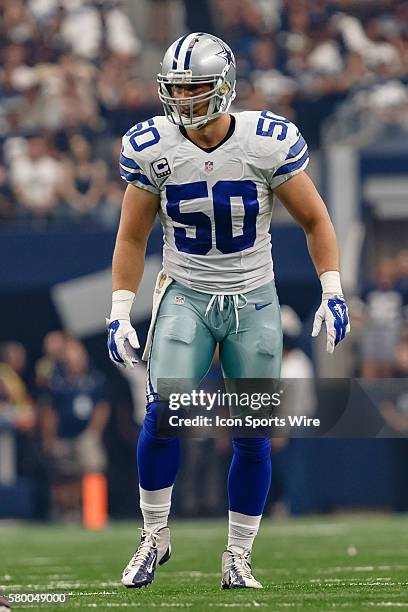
[
  {"x": 122, "y": 301},
  {"x": 331, "y": 284}
]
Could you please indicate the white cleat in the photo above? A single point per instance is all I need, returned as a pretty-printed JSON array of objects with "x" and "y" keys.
[
  {"x": 154, "y": 549},
  {"x": 236, "y": 570}
]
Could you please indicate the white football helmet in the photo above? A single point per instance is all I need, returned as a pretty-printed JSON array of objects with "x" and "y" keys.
[{"x": 196, "y": 59}]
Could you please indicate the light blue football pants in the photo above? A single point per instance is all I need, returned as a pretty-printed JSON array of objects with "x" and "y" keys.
[
  {"x": 185, "y": 337},
  {"x": 188, "y": 327}
]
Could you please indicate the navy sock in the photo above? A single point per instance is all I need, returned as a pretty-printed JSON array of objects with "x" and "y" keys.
[
  {"x": 158, "y": 459},
  {"x": 250, "y": 475}
]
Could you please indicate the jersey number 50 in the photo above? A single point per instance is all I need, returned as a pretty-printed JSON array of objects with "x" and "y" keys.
[{"x": 222, "y": 192}]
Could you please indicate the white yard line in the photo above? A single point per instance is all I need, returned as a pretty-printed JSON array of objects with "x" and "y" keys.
[
  {"x": 249, "y": 604},
  {"x": 133, "y": 605},
  {"x": 388, "y": 604}
]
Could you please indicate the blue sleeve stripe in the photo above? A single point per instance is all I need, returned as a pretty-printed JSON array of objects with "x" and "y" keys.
[
  {"x": 296, "y": 148},
  {"x": 129, "y": 163},
  {"x": 123, "y": 168},
  {"x": 144, "y": 180},
  {"x": 131, "y": 177},
  {"x": 291, "y": 167}
]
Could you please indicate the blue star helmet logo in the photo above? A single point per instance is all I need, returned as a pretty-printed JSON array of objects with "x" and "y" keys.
[{"x": 226, "y": 54}]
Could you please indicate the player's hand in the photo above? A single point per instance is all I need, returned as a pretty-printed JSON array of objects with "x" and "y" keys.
[
  {"x": 118, "y": 332},
  {"x": 333, "y": 311}
]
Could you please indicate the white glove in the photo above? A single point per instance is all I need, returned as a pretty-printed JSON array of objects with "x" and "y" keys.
[
  {"x": 120, "y": 329},
  {"x": 118, "y": 332},
  {"x": 333, "y": 310}
]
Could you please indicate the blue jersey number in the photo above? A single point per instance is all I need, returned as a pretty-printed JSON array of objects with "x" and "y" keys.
[
  {"x": 201, "y": 244},
  {"x": 267, "y": 124},
  {"x": 143, "y": 135},
  {"x": 222, "y": 192}
]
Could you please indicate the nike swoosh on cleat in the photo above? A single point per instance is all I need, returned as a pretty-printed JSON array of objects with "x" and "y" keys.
[
  {"x": 260, "y": 306},
  {"x": 150, "y": 567}
]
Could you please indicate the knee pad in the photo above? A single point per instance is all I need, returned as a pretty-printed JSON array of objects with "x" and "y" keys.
[{"x": 252, "y": 449}]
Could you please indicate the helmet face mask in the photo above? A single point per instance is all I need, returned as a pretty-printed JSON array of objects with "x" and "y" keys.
[{"x": 207, "y": 61}]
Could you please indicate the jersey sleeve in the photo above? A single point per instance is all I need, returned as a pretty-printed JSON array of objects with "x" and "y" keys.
[
  {"x": 293, "y": 158},
  {"x": 135, "y": 167}
]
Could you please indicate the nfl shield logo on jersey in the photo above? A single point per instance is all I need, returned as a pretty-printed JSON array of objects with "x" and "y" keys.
[
  {"x": 179, "y": 299},
  {"x": 209, "y": 166}
]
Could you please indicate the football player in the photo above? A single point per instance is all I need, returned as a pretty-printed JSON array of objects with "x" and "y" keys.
[{"x": 211, "y": 176}]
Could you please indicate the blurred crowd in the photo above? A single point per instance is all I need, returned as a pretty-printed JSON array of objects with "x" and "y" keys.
[
  {"x": 76, "y": 74},
  {"x": 69, "y": 89},
  {"x": 60, "y": 410},
  {"x": 380, "y": 321},
  {"x": 304, "y": 58}
]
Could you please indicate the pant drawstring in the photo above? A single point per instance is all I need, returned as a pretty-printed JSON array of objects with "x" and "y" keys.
[
  {"x": 220, "y": 301},
  {"x": 237, "y": 307}
]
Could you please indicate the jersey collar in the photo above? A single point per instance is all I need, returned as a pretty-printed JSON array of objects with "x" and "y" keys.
[{"x": 227, "y": 136}]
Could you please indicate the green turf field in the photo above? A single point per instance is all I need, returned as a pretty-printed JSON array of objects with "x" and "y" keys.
[{"x": 340, "y": 563}]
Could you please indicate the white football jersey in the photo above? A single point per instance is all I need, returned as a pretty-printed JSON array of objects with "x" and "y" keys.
[{"x": 216, "y": 204}]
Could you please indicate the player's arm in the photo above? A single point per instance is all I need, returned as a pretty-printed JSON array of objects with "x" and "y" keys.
[
  {"x": 139, "y": 211},
  {"x": 302, "y": 200}
]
